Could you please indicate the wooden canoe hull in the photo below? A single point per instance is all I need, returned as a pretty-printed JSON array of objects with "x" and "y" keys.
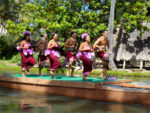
[{"x": 102, "y": 93}]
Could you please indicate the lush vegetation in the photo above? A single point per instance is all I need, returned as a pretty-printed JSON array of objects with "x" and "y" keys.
[{"x": 63, "y": 16}]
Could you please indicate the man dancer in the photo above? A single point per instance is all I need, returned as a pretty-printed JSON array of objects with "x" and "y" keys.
[
  {"x": 41, "y": 47},
  {"x": 71, "y": 47},
  {"x": 100, "y": 47}
]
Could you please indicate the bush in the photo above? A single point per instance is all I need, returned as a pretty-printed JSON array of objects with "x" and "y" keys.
[
  {"x": 36, "y": 56},
  {"x": 17, "y": 58},
  {"x": 7, "y": 48}
]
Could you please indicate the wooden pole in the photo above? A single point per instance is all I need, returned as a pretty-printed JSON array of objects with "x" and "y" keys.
[
  {"x": 124, "y": 65},
  {"x": 141, "y": 64}
]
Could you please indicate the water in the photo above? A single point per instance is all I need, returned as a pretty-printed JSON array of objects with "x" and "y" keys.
[{"x": 17, "y": 101}]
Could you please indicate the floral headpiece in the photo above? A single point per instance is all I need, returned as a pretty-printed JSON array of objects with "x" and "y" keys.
[
  {"x": 84, "y": 35},
  {"x": 26, "y": 32},
  {"x": 53, "y": 33}
]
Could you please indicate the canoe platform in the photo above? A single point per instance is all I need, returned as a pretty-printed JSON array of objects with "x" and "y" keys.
[{"x": 121, "y": 91}]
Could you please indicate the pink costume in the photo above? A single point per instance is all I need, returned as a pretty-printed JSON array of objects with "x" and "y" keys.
[
  {"x": 87, "y": 58},
  {"x": 71, "y": 56},
  {"x": 53, "y": 55},
  {"x": 27, "y": 57}
]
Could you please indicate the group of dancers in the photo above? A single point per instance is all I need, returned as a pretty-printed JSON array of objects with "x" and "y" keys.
[{"x": 49, "y": 52}]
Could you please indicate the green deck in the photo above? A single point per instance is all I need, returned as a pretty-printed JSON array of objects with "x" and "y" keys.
[{"x": 62, "y": 78}]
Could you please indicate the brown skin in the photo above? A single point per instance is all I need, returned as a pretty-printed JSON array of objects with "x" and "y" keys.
[
  {"x": 71, "y": 43},
  {"x": 26, "y": 41},
  {"x": 83, "y": 48},
  {"x": 52, "y": 43},
  {"x": 42, "y": 44},
  {"x": 85, "y": 44},
  {"x": 103, "y": 43}
]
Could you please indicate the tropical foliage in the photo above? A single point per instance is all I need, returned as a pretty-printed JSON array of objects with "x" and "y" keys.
[{"x": 63, "y": 16}]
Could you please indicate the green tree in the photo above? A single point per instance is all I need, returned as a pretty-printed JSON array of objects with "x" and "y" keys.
[
  {"x": 131, "y": 14},
  {"x": 81, "y": 16},
  {"x": 60, "y": 16}
]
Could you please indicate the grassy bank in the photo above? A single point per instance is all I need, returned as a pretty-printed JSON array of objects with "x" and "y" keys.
[{"x": 8, "y": 66}]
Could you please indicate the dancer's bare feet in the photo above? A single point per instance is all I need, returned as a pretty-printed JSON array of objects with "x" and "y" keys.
[
  {"x": 52, "y": 74},
  {"x": 28, "y": 73},
  {"x": 23, "y": 74},
  {"x": 72, "y": 72},
  {"x": 72, "y": 76},
  {"x": 40, "y": 75},
  {"x": 84, "y": 78},
  {"x": 68, "y": 73},
  {"x": 102, "y": 77},
  {"x": 40, "y": 70}
]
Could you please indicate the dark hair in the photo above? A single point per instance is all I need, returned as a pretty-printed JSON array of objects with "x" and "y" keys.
[
  {"x": 84, "y": 40},
  {"x": 105, "y": 31},
  {"x": 53, "y": 34},
  {"x": 25, "y": 35},
  {"x": 72, "y": 33}
]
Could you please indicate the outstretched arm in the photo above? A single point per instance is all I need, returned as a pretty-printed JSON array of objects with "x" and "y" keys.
[
  {"x": 95, "y": 45},
  {"x": 81, "y": 48}
]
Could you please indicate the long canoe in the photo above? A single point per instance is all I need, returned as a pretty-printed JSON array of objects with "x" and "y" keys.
[{"x": 120, "y": 91}]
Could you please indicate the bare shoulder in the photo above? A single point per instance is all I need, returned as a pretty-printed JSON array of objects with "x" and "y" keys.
[
  {"x": 51, "y": 41},
  {"x": 22, "y": 42},
  {"x": 82, "y": 44},
  {"x": 101, "y": 38},
  {"x": 68, "y": 39},
  {"x": 98, "y": 40}
]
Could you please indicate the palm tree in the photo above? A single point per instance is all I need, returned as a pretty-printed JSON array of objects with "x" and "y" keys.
[{"x": 110, "y": 33}]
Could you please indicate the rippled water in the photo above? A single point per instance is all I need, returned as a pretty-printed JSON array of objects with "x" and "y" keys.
[{"x": 17, "y": 101}]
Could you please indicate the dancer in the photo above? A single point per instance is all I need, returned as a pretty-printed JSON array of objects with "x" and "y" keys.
[
  {"x": 41, "y": 47},
  {"x": 100, "y": 47},
  {"x": 26, "y": 52},
  {"x": 86, "y": 55},
  {"x": 71, "y": 49},
  {"x": 53, "y": 54}
]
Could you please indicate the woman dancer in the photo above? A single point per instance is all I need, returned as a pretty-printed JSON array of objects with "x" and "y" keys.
[
  {"x": 26, "y": 52},
  {"x": 53, "y": 54},
  {"x": 86, "y": 55}
]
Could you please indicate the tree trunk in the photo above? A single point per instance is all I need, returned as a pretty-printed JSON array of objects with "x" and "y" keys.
[{"x": 110, "y": 34}]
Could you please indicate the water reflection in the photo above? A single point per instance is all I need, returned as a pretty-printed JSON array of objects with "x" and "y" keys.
[{"x": 16, "y": 101}]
